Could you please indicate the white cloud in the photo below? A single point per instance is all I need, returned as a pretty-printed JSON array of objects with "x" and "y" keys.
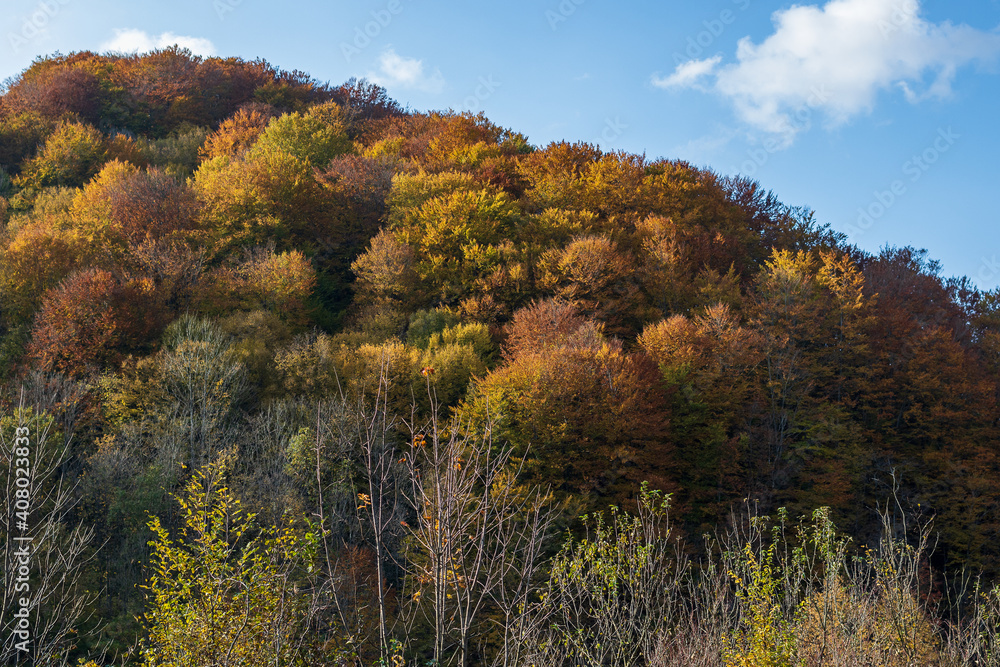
[
  {"x": 129, "y": 41},
  {"x": 397, "y": 71},
  {"x": 836, "y": 59},
  {"x": 687, "y": 75}
]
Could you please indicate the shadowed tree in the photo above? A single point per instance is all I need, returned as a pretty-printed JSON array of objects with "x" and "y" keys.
[{"x": 92, "y": 319}]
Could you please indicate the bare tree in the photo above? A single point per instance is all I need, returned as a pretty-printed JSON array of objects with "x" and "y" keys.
[
  {"x": 381, "y": 506},
  {"x": 43, "y": 555},
  {"x": 613, "y": 594},
  {"x": 367, "y": 432},
  {"x": 480, "y": 536}
]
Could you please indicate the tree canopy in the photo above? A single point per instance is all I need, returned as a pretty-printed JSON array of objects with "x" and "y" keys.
[{"x": 229, "y": 261}]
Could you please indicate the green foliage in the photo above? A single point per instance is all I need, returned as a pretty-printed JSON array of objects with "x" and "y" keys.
[
  {"x": 220, "y": 591},
  {"x": 814, "y": 311},
  {"x": 324, "y": 366},
  {"x": 200, "y": 373},
  {"x": 611, "y": 318},
  {"x": 709, "y": 365},
  {"x": 263, "y": 280},
  {"x": 315, "y": 138},
  {"x": 611, "y": 591},
  {"x": 256, "y": 336},
  {"x": 188, "y": 393},
  {"x": 13, "y": 345},
  {"x": 456, "y": 236},
  {"x": 178, "y": 153},
  {"x": 308, "y": 367},
  {"x": 71, "y": 155},
  {"x": 411, "y": 191},
  {"x": 264, "y": 195},
  {"x": 768, "y": 639},
  {"x": 472, "y": 334},
  {"x": 20, "y": 135},
  {"x": 426, "y": 323},
  {"x": 385, "y": 272}
]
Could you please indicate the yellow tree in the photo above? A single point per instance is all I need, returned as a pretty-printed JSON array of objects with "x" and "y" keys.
[
  {"x": 265, "y": 193},
  {"x": 221, "y": 592},
  {"x": 70, "y": 155},
  {"x": 125, "y": 206},
  {"x": 598, "y": 278},
  {"x": 316, "y": 137},
  {"x": 264, "y": 279},
  {"x": 237, "y": 133}
]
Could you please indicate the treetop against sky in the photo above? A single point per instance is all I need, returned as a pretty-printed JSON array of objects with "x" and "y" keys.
[{"x": 876, "y": 113}]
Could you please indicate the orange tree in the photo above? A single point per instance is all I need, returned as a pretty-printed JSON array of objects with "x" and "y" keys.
[{"x": 588, "y": 416}]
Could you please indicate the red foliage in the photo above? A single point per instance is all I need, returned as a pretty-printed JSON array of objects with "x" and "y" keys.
[
  {"x": 156, "y": 92},
  {"x": 370, "y": 101},
  {"x": 56, "y": 90},
  {"x": 91, "y": 319},
  {"x": 588, "y": 414}
]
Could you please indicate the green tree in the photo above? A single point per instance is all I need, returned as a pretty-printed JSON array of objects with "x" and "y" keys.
[
  {"x": 20, "y": 135},
  {"x": 200, "y": 374},
  {"x": 222, "y": 591},
  {"x": 709, "y": 365},
  {"x": 315, "y": 137},
  {"x": 813, "y": 312},
  {"x": 277, "y": 282},
  {"x": 264, "y": 194},
  {"x": 71, "y": 155},
  {"x": 459, "y": 239}
]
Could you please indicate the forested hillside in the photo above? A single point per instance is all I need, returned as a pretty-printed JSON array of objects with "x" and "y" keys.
[{"x": 310, "y": 373}]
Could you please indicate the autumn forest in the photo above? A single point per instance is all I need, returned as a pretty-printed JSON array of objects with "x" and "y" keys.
[{"x": 314, "y": 379}]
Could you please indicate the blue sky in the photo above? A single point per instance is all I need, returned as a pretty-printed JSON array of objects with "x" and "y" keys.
[{"x": 881, "y": 115}]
